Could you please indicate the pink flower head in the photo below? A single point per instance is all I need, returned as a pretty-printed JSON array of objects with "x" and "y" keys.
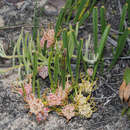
[
  {"x": 63, "y": 93},
  {"x": 49, "y": 37},
  {"x": 68, "y": 111},
  {"x": 53, "y": 99},
  {"x": 43, "y": 72},
  {"x": 35, "y": 104},
  {"x": 90, "y": 71},
  {"x": 42, "y": 115},
  {"x": 27, "y": 89}
]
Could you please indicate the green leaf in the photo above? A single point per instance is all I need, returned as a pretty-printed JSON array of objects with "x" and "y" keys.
[
  {"x": 128, "y": 1},
  {"x": 56, "y": 68},
  {"x": 59, "y": 21},
  {"x": 100, "y": 49},
  {"x": 102, "y": 17},
  {"x": 81, "y": 7},
  {"x": 124, "y": 12},
  {"x": 49, "y": 68},
  {"x": 95, "y": 28},
  {"x": 86, "y": 15},
  {"x": 128, "y": 112},
  {"x": 71, "y": 44},
  {"x": 103, "y": 41},
  {"x": 78, "y": 60},
  {"x": 120, "y": 46},
  {"x": 127, "y": 75},
  {"x": 38, "y": 89}
]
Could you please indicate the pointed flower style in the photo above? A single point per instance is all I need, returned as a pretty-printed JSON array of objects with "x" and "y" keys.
[
  {"x": 48, "y": 36},
  {"x": 68, "y": 111}
]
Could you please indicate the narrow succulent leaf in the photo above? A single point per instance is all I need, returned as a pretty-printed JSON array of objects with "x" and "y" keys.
[
  {"x": 120, "y": 46},
  {"x": 35, "y": 66},
  {"x": 68, "y": 8},
  {"x": 71, "y": 44},
  {"x": 95, "y": 28},
  {"x": 68, "y": 63},
  {"x": 128, "y": 1},
  {"x": 65, "y": 40},
  {"x": 59, "y": 21},
  {"x": 86, "y": 15},
  {"x": 123, "y": 15},
  {"x": 76, "y": 30},
  {"x": 30, "y": 48},
  {"x": 18, "y": 46},
  {"x": 78, "y": 60},
  {"x": 75, "y": 39},
  {"x": 35, "y": 22},
  {"x": 56, "y": 69},
  {"x": 85, "y": 7},
  {"x": 102, "y": 19},
  {"x": 100, "y": 49},
  {"x": 38, "y": 89},
  {"x": 63, "y": 67},
  {"x": 49, "y": 68},
  {"x": 103, "y": 41},
  {"x": 127, "y": 75},
  {"x": 81, "y": 7},
  {"x": 95, "y": 70},
  {"x": 38, "y": 42}
]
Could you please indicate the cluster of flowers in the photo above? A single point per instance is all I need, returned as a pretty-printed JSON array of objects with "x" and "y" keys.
[
  {"x": 59, "y": 99},
  {"x": 48, "y": 36}
]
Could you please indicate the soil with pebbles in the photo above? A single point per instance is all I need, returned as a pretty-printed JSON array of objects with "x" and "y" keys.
[{"x": 14, "y": 116}]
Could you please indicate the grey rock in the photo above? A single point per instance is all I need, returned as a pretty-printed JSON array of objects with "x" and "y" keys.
[{"x": 2, "y": 22}]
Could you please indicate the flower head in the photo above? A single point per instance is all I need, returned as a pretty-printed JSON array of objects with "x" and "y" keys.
[
  {"x": 90, "y": 71},
  {"x": 43, "y": 72},
  {"x": 85, "y": 110},
  {"x": 27, "y": 89},
  {"x": 42, "y": 115},
  {"x": 35, "y": 104},
  {"x": 53, "y": 99},
  {"x": 49, "y": 37},
  {"x": 80, "y": 99},
  {"x": 68, "y": 111},
  {"x": 59, "y": 96}
]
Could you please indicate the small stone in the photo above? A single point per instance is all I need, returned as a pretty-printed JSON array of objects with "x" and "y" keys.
[
  {"x": 41, "y": 3},
  {"x": 50, "y": 10},
  {"x": 19, "y": 4},
  {"x": 2, "y": 22}
]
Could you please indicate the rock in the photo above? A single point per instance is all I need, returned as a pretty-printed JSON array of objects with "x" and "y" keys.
[
  {"x": 41, "y": 3},
  {"x": 19, "y": 4},
  {"x": 52, "y": 8},
  {"x": 2, "y": 22}
]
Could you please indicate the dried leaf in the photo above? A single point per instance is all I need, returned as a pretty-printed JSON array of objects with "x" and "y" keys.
[
  {"x": 121, "y": 90},
  {"x": 127, "y": 93}
]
